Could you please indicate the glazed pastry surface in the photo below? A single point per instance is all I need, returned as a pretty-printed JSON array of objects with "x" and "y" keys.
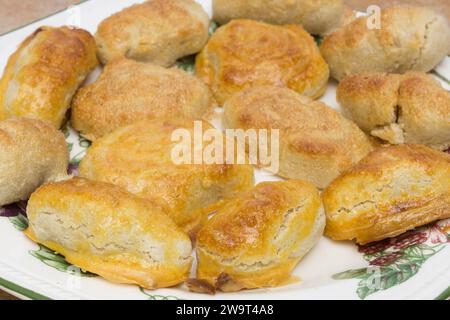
[
  {"x": 103, "y": 229},
  {"x": 44, "y": 73}
]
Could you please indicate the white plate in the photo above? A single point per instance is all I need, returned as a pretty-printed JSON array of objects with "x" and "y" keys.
[{"x": 421, "y": 271}]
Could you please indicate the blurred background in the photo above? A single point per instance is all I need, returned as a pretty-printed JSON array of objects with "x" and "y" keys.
[{"x": 14, "y": 13}]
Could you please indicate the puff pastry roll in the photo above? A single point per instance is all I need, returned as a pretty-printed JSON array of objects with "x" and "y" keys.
[
  {"x": 42, "y": 76},
  {"x": 105, "y": 230},
  {"x": 256, "y": 239},
  {"x": 409, "y": 108},
  {"x": 245, "y": 53},
  {"x": 139, "y": 158},
  {"x": 32, "y": 152},
  {"x": 392, "y": 190},
  {"x": 316, "y": 143},
  {"x": 407, "y": 39},
  {"x": 317, "y": 17},
  {"x": 128, "y": 91},
  {"x": 157, "y": 31}
]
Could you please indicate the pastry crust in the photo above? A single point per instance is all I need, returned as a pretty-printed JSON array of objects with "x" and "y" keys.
[
  {"x": 317, "y": 17},
  {"x": 245, "y": 53},
  {"x": 409, "y": 108},
  {"x": 139, "y": 158},
  {"x": 410, "y": 38},
  {"x": 256, "y": 239},
  {"x": 128, "y": 91},
  {"x": 103, "y": 229},
  {"x": 316, "y": 142},
  {"x": 32, "y": 153},
  {"x": 157, "y": 31},
  {"x": 43, "y": 74},
  {"x": 392, "y": 190}
]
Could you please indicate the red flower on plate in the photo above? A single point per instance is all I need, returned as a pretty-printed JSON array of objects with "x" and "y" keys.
[
  {"x": 410, "y": 239},
  {"x": 387, "y": 259}
]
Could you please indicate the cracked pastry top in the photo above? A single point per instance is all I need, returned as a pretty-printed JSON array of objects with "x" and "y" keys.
[
  {"x": 105, "y": 230},
  {"x": 257, "y": 239},
  {"x": 317, "y": 17},
  {"x": 43, "y": 74},
  {"x": 316, "y": 143},
  {"x": 32, "y": 152},
  {"x": 392, "y": 190},
  {"x": 157, "y": 31},
  {"x": 245, "y": 53},
  {"x": 409, "y": 108},
  {"x": 128, "y": 91},
  {"x": 409, "y": 39},
  {"x": 139, "y": 158}
]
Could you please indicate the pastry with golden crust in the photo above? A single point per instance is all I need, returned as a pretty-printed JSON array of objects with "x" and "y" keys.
[
  {"x": 408, "y": 39},
  {"x": 128, "y": 91},
  {"x": 156, "y": 31},
  {"x": 409, "y": 108},
  {"x": 103, "y": 229},
  {"x": 139, "y": 158},
  {"x": 32, "y": 152},
  {"x": 317, "y": 17},
  {"x": 316, "y": 142},
  {"x": 44, "y": 73},
  {"x": 392, "y": 190},
  {"x": 257, "y": 239},
  {"x": 246, "y": 53}
]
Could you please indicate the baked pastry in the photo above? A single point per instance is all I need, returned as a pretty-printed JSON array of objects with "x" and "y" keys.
[
  {"x": 128, "y": 91},
  {"x": 316, "y": 143},
  {"x": 32, "y": 152},
  {"x": 409, "y": 108},
  {"x": 139, "y": 158},
  {"x": 43, "y": 74},
  {"x": 103, "y": 229},
  {"x": 410, "y": 38},
  {"x": 256, "y": 239},
  {"x": 317, "y": 17},
  {"x": 392, "y": 190},
  {"x": 157, "y": 31},
  {"x": 245, "y": 53}
]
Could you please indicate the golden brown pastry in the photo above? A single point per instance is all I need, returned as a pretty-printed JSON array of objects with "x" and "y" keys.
[
  {"x": 409, "y": 108},
  {"x": 103, "y": 229},
  {"x": 409, "y": 38},
  {"x": 31, "y": 152},
  {"x": 316, "y": 142},
  {"x": 256, "y": 239},
  {"x": 128, "y": 91},
  {"x": 245, "y": 53},
  {"x": 317, "y": 17},
  {"x": 139, "y": 158},
  {"x": 43, "y": 74},
  {"x": 392, "y": 190},
  {"x": 157, "y": 31}
]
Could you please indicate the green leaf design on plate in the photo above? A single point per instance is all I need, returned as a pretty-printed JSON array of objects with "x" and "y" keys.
[
  {"x": 187, "y": 64},
  {"x": 318, "y": 39},
  {"x": 158, "y": 296},
  {"x": 20, "y": 222},
  {"x": 350, "y": 274},
  {"x": 57, "y": 261},
  {"x": 213, "y": 27}
]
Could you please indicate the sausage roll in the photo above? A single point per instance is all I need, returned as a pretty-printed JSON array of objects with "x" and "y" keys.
[
  {"x": 103, "y": 229},
  {"x": 409, "y": 108},
  {"x": 392, "y": 190},
  {"x": 245, "y": 53},
  {"x": 316, "y": 143},
  {"x": 257, "y": 239},
  {"x": 42, "y": 76},
  {"x": 317, "y": 17},
  {"x": 139, "y": 158},
  {"x": 32, "y": 152},
  {"x": 408, "y": 38},
  {"x": 157, "y": 31},
  {"x": 128, "y": 91}
]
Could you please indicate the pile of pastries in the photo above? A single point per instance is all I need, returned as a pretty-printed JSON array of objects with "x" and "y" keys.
[{"x": 134, "y": 216}]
